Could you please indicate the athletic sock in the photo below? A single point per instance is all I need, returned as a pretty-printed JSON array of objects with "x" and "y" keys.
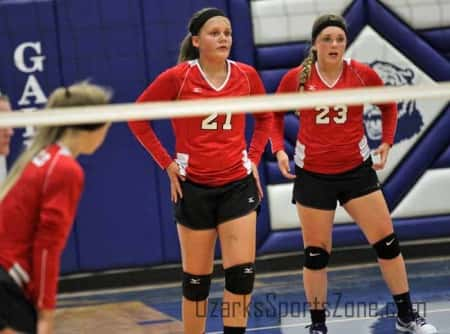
[
  {"x": 404, "y": 306},
  {"x": 317, "y": 316},
  {"x": 233, "y": 330}
]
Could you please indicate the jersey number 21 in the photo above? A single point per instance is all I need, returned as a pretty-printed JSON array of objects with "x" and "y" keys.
[{"x": 210, "y": 122}]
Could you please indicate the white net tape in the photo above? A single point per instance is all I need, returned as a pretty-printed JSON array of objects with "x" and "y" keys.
[{"x": 260, "y": 103}]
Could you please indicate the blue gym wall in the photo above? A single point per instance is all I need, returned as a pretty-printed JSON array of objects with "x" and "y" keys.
[{"x": 125, "y": 217}]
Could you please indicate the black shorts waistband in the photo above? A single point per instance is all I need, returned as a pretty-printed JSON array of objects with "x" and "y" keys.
[
  {"x": 366, "y": 163},
  {"x": 200, "y": 185},
  {"x": 5, "y": 277}
]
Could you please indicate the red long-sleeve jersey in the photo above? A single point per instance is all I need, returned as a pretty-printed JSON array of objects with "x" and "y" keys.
[
  {"x": 331, "y": 139},
  {"x": 210, "y": 150},
  {"x": 35, "y": 220}
]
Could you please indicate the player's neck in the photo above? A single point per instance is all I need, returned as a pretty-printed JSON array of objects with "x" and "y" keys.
[
  {"x": 213, "y": 68},
  {"x": 215, "y": 71},
  {"x": 71, "y": 142},
  {"x": 330, "y": 72}
]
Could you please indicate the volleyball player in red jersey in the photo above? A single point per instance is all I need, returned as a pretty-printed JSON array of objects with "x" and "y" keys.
[
  {"x": 214, "y": 182},
  {"x": 333, "y": 163},
  {"x": 38, "y": 201}
]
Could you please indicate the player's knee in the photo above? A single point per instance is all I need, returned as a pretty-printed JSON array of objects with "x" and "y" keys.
[
  {"x": 196, "y": 287},
  {"x": 316, "y": 258},
  {"x": 240, "y": 279},
  {"x": 388, "y": 247}
]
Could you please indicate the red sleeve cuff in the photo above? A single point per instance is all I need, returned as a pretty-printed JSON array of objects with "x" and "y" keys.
[{"x": 165, "y": 161}]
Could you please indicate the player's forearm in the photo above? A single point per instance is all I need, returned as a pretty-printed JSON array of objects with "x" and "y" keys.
[
  {"x": 263, "y": 127},
  {"x": 389, "y": 123},
  {"x": 277, "y": 133}
]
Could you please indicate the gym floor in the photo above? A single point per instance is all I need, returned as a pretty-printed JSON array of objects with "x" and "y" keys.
[{"x": 359, "y": 302}]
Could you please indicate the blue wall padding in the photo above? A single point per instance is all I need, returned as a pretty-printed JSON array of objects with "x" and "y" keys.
[
  {"x": 418, "y": 160},
  {"x": 444, "y": 160},
  {"x": 438, "y": 39},
  {"x": 271, "y": 78},
  {"x": 103, "y": 43},
  {"x": 27, "y": 22},
  {"x": 118, "y": 220},
  {"x": 281, "y": 56},
  {"x": 417, "y": 49},
  {"x": 243, "y": 45},
  {"x": 356, "y": 16},
  {"x": 351, "y": 235}
]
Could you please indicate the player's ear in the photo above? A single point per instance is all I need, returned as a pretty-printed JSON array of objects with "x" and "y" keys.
[{"x": 195, "y": 41}]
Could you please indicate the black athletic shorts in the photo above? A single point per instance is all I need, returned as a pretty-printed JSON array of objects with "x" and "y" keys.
[
  {"x": 16, "y": 312},
  {"x": 203, "y": 207},
  {"x": 322, "y": 191}
]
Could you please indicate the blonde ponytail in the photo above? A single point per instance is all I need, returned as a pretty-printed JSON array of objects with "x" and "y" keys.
[
  {"x": 187, "y": 50},
  {"x": 82, "y": 93}
]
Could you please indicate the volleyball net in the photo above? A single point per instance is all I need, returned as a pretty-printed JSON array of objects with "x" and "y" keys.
[{"x": 254, "y": 104}]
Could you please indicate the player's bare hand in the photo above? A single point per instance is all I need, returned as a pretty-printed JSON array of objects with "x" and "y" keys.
[
  {"x": 380, "y": 156},
  {"x": 283, "y": 165},
  {"x": 173, "y": 171},
  {"x": 45, "y": 322},
  {"x": 258, "y": 182}
]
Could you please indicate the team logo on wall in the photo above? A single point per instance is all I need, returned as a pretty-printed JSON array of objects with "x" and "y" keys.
[{"x": 410, "y": 120}]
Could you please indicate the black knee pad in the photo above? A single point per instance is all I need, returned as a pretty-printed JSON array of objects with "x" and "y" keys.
[
  {"x": 316, "y": 258},
  {"x": 196, "y": 287},
  {"x": 388, "y": 247},
  {"x": 239, "y": 279}
]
